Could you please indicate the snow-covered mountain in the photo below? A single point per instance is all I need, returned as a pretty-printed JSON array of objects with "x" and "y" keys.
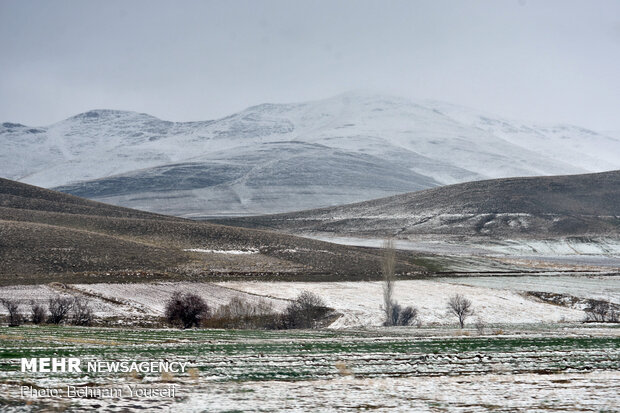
[{"x": 283, "y": 157}]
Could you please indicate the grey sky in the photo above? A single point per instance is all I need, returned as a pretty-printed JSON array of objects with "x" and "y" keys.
[{"x": 552, "y": 61}]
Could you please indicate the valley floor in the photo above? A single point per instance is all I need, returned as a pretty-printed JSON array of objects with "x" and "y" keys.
[
  {"x": 577, "y": 254},
  {"x": 496, "y": 299}
]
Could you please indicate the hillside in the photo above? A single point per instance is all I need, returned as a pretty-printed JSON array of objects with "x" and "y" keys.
[
  {"x": 535, "y": 207},
  {"x": 49, "y": 236},
  {"x": 275, "y": 158}
]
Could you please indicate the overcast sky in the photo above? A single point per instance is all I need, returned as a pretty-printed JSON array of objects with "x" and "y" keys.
[{"x": 550, "y": 61}]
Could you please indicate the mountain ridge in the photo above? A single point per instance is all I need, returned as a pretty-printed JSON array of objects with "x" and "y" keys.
[
  {"x": 285, "y": 157},
  {"x": 527, "y": 207}
]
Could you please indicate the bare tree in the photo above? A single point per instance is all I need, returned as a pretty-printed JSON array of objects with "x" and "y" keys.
[
  {"x": 597, "y": 310},
  {"x": 15, "y": 317},
  {"x": 461, "y": 307},
  {"x": 186, "y": 309},
  {"x": 304, "y": 311},
  {"x": 37, "y": 313},
  {"x": 395, "y": 315},
  {"x": 389, "y": 259},
  {"x": 600, "y": 311},
  {"x": 59, "y": 308},
  {"x": 82, "y": 314}
]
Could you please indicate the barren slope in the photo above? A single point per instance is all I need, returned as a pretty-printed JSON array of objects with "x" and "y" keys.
[
  {"x": 569, "y": 205},
  {"x": 49, "y": 236}
]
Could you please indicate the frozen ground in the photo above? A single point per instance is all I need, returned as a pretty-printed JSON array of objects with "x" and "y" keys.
[
  {"x": 601, "y": 254},
  {"x": 495, "y": 299},
  {"x": 540, "y": 368},
  {"x": 584, "y": 392},
  {"x": 599, "y": 287},
  {"x": 128, "y": 301},
  {"x": 361, "y": 302}
]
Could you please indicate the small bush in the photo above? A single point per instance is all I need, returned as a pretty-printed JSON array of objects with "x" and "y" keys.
[
  {"x": 402, "y": 316},
  {"x": 240, "y": 308},
  {"x": 15, "y": 317},
  {"x": 239, "y": 313},
  {"x": 408, "y": 316},
  {"x": 480, "y": 325},
  {"x": 186, "y": 310},
  {"x": 600, "y": 311},
  {"x": 304, "y": 311},
  {"x": 37, "y": 313},
  {"x": 82, "y": 314},
  {"x": 59, "y": 308}
]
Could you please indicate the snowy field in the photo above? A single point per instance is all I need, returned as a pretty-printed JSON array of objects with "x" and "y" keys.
[
  {"x": 583, "y": 392},
  {"x": 361, "y": 302},
  {"x": 600, "y": 254},
  {"x": 131, "y": 302},
  {"x": 605, "y": 288},
  {"x": 565, "y": 368},
  {"x": 495, "y": 299}
]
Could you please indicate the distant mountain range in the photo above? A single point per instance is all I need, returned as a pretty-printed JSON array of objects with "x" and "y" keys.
[
  {"x": 536, "y": 207},
  {"x": 285, "y": 157}
]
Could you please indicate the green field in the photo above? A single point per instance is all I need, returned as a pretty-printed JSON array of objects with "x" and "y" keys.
[{"x": 248, "y": 358}]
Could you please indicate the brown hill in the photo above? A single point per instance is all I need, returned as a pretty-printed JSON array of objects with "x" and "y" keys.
[
  {"x": 537, "y": 207},
  {"x": 50, "y": 236}
]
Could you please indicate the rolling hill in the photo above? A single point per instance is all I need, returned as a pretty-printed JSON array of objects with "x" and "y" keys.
[
  {"x": 49, "y": 236},
  {"x": 284, "y": 157},
  {"x": 531, "y": 207}
]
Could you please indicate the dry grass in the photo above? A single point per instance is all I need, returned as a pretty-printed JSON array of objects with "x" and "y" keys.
[
  {"x": 194, "y": 374},
  {"x": 343, "y": 369},
  {"x": 167, "y": 377}
]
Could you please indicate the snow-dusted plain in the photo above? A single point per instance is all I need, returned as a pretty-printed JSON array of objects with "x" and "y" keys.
[
  {"x": 283, "y": 157},
  {"x": 565, "y": 368},
  {"x": 361, "y": 302},
  {"x": 577, "y": 392},
  {"x": 562, "y": 254},
  {"x": 495, "y": 299},
  {"x": 129, "y": 302}
]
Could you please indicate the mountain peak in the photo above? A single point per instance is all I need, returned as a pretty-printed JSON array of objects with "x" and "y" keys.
[{"x": 108, "y": 114}]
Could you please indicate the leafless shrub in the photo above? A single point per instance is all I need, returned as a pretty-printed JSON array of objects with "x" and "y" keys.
[
  {"x": 406, "y": 316},
  {"x": 460, "y": 307},
  {"x": 37, "y": 313},
  {"x": 82, "y": 314},
  {"x": 402, "y": 316},
  {"x": 240, "y": 313},
  {"x": 237, "y": 307},
  {"x": 304, "y": 311},
  {"x": 59, "y": 308},
  {"x": 186, "y": 310},
  {"x": 480, "y": 325},
  {"x": 600, "y": 311},
  {"x": 15, "y": 317}
]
